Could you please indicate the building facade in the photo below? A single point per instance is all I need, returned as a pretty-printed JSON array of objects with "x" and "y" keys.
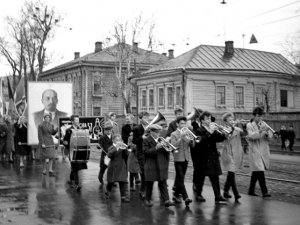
[
  {"x": 221, "y": 79},
  {"x": 95, "y": 84}
]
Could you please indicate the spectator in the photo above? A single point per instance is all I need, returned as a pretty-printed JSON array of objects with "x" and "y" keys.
[
  {"x": 283, "y": 135},
  {"x": 127, "y": 128},
  {"x": 291, "y": 137}
]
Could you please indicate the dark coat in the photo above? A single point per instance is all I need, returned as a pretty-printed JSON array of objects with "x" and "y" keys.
[
  {"x": 138, "y": 132},
  {"x": 105, "y": 142},
  {"x": 291, "y": 135},
  {"x": 207, "y": 156},
  {"x": 117, "y": 169},
  {"x": 172, "y": 127},
  {"x": 126, "y": 130},
  {"x": 156, "y": 161},
  {"x": 21, "y": 136}
]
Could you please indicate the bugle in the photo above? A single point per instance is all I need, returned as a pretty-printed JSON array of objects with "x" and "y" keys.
[
  {"x": 241, "y": 121},
  {"x": 264, "y": 124},
  {"x": 221, "y": 128},
  {"x": 189, "y": 134},
  {"x": 167, "y": 145},
  {"x": 122, "y": 145}
]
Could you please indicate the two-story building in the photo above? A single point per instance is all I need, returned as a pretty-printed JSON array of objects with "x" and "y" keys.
[
  {"x": 95, "y": 84},
  {"x": 220, "y": 79}
]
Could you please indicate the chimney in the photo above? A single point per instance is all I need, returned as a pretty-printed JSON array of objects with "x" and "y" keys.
[
  {"x": 171, "y": 53},
  {"x": 229, "y": 49},
  {"x": 135, "y": 46},
  {"x": 76, "y": 55},
  {"x": 98, "y": 46},
  {"x": 164, "y": 53}
]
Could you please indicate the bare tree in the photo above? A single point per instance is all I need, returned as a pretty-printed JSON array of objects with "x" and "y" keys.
[
  {"x": 291, "y": 47},
  {"x": 28, "y": 35},
  {"x": 126, "y": 55}
]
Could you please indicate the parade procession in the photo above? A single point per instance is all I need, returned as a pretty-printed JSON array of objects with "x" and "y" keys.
[{"x": 128, "y": 133}]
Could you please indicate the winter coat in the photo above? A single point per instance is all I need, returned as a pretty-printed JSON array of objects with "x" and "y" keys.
[
  {"x": 259, "y": 151},
  {"x": 133, "y": 163},
  {"x": 117, "y": 169},
  {"x": 206, "y": 158},
  {"x": 21, "y": 136},
  {"x": 105, "y": 142},
  {"x": 156, "y": 161},
  {"x": 232, "y": 154},
  {"x": 126, "y": 130},
  {"x": 10, "y": 143}
]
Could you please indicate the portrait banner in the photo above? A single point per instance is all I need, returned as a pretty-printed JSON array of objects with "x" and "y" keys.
[
  {"x": 52, "y": 98},
  {"x": 95, "y": 125}
]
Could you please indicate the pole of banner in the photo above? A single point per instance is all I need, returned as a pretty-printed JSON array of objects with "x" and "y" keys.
[{"x": 1, "y": 97}]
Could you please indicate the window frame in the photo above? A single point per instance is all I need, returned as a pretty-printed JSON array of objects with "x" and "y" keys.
[
  {"x": 225, "y": 99},
  {"x": 161, "y": 106},
  {"x": 235, "y": 95},
  {"x": 96, "y": 105},
  {"x": 151, "y": 107},
  {"x": 170, "y": 106},
  {"x": 100, "y": 75}
]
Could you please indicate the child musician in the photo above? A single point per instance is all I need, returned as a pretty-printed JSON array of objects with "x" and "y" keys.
[
  {"x": 232, "y": 155},
  {"x": 117, "y": 169},
  {"x": 181, "y": 159},
  {"x": 156, "y": 166}
]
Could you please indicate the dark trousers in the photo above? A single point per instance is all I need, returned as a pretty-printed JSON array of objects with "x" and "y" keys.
[
  {"x": 180, "y": 168},
  {"x": 198, "y": 182},
  {"x": 143, "y": 183},
  {"x": 230, "y": 183},
  {"x": 214, "y": 180},
  {"x": 101, "y": 172},
  {"x": 122, "y": 185},
  {"x": 133, "y": 177},
  {"x": 291, "y": 144},
  {"x": 283, "y": 143},
  {"x": 194, "y": 161},
  {"x": 162, "y": 186},
  {"x": 260, "y": 177},
  {"x": 74, "y": 177}
]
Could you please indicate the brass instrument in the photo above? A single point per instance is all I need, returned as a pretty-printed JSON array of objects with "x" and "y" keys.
[
  {"x": 159, "y": 117},
  {"x": 241, "y": 121},
  {"x": 264, "y": 124},
  {"x": 195, "y": 113},
  {"x": 189, "y": 134},
  {"x": 167, "y": 145},
  {"x": 221, "y": 128},
  {"x": 122, "y": 145}
]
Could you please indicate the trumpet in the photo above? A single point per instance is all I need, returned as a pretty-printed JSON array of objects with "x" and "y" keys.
[
  {"x": 122, "y": 145},
  {"x": 167, "y": 145},
  {"x": 189, "y": 134},
  {"x": 264, "y": 124},
  {"x": 222, "y": 129},
  {"x": 241, "y": 121}
]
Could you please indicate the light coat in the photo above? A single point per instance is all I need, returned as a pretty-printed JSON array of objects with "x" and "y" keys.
[
  {"x": 182, "y": 144},
  {"x": 259, "y": 151},
  {"x": 232, "y": 155}
]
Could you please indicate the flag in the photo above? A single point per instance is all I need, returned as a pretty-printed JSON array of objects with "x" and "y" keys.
[
  {"x": 253, "y": 39},
  {"x": 20, "y": 98},
  {"x": 11, "y": 109}
]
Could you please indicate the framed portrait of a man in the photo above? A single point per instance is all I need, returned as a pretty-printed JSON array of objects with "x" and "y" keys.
[{"x": 54, "y": 98}]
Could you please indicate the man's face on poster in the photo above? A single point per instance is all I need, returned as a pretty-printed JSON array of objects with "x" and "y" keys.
[{"x": 49, "y": 99}]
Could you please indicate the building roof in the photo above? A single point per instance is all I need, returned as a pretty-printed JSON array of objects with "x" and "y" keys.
[
  {"x": 212, "y": 58},
  {"x": 108, "y": 55}
]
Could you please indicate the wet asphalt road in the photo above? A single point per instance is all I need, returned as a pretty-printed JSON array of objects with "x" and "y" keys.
[{"x": 28, "y": 197}]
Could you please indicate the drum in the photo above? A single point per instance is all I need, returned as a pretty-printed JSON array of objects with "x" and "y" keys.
[{"x": 80, "y": 144}]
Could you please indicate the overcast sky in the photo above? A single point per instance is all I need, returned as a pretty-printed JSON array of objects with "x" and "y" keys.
[{"x": 180, "y": 25}]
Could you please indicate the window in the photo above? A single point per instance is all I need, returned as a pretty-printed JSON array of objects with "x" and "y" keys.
[
  {"x": 178, "y": 95},
  {"x": 259, "y": 96},
  {"x": 96, "y": 110},
  {"x": 144, "y": 99},
  {"x": 170, "y": 98},
  {"x": 97, "y": 85},
  {"x": 239, "y": 95},
  {"x": 161, "y": 97},
  {"x": 220, "y": 95},
  {"x": 283, "y": 98},
  {"x": 151, "y": 99}
]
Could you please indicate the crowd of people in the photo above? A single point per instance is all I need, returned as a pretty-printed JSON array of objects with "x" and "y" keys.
[{"x": 140, "y": 153}]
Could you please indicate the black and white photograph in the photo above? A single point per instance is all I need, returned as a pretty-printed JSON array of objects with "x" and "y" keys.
[{"x": 150, "y": 112}]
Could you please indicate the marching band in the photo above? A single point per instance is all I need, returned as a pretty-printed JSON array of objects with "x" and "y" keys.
[{"x": 144, "y": 151}]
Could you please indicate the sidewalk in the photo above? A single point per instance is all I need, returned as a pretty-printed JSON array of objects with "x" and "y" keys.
[{"x": 27, "y": 197}]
